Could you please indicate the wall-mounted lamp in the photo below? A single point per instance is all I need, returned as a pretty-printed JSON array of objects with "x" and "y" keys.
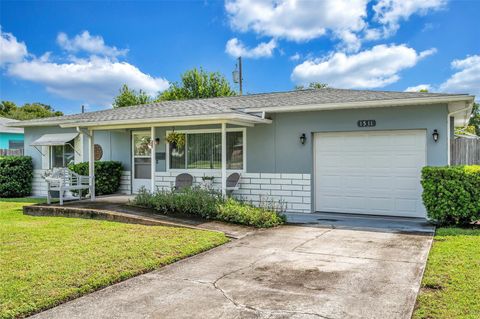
[
  {"x": 157, "y": 141},
  {"x": 303, "y": 138},
  {"x": 435, "y": 135}
]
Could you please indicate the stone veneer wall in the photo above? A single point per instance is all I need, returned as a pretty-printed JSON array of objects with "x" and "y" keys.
[{"x": 294, "y": 190}]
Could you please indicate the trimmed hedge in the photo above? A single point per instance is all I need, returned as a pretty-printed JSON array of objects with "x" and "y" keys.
[
  {"x": 108, "y": 175},
  {"x": 196, "y": 201},
  {"x": 452, "y": 194},
  {"x": 16, "y": 173}
]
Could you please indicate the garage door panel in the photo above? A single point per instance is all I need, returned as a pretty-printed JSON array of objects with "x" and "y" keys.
[
  {"x": 375, "y": 172},
  {"x": 381, "y": 204}
]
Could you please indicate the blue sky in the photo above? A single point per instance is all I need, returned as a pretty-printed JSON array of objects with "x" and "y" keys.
[{"x": 70, "y": 53}]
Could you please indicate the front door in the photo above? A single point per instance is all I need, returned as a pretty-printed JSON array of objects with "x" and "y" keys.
[{"x": 141, "y": 161}]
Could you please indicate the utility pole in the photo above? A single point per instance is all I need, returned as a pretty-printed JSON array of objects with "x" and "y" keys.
[
  {"x": 237, "y": 75},
  {"x": 240, "y": 75}
]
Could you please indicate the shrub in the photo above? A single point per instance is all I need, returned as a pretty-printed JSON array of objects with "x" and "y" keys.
[
  {"x": 204, "y": 203},
  {"x": 242, "y": 213},
  {"x": 16, "y": 174},
  {"x": 108, "y": 175},
  {"x": 452, "y": 194}
]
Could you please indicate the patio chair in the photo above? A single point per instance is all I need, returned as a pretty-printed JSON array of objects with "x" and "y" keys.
[
  {"x": 183, "y": 181},
  {"x": 232, "y": 182}
]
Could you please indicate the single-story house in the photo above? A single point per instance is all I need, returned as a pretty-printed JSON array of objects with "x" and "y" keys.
[
  {"x": 10, "y": 137},
  {"x": 329, "y": 150}
]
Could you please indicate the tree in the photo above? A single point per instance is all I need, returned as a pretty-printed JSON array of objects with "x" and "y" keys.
[
  {"x": 423, "y": 91},
  {"x": 197, "y": 84},
  {"x": 28, "y": 111},
  {"x": 473, "y": 126},
  {"x": 475, "y": 119},
  {"x": 129, "y": 97},
  {"x": 311, "y": 86}
]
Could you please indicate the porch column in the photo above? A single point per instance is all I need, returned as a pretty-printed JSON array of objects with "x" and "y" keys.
[
  {"x": 152, "y": 158},
  {"x": 224, "y": 159},
  {"x": 91, "y": 163}
]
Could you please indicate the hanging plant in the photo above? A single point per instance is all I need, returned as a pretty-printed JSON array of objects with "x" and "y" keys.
[{"x": 176, "y": 139}]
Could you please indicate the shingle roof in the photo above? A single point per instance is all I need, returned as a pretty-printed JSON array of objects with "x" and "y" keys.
[
  {"x": 235, "y": 105},
  {"x": 5, "y": 129}
]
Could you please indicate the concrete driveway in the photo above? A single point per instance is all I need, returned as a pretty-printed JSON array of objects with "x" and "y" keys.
[{"x": 286, "y": 272}]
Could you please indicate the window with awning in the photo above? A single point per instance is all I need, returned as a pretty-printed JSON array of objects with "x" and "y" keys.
[{"x": 61, "y": 148}]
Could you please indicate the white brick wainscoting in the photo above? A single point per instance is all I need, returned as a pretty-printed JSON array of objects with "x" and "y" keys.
[
  {"x": 294, "y": 190},
  {"x": 125, "y": 183},
  {"x": 39, "y": 186}
]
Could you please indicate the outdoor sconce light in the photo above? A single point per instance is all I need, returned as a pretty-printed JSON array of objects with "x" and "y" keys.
[
  {"x": 157, "y": 141},
  {"x": 435, "y": 135},
  {"x": 303, "y": 138}
]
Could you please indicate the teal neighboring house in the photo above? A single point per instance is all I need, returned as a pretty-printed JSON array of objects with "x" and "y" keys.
[{"x": 10, "y": 137}]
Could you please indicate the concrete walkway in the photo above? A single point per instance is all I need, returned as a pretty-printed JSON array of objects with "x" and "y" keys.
[{"x": 286, "y": 272}]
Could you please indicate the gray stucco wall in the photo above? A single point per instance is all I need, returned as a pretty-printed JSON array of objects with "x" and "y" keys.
[
  {"x": 115, "y": 144},
  {"x": 275, "y": 148}
]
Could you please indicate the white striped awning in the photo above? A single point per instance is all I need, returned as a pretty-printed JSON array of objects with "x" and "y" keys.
[{"x": 54, "y": 139}]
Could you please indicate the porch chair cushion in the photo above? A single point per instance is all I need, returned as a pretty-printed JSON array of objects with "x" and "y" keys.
[
  {"x": 183, "y": 180},
  {"x": 232, "y": 181}
]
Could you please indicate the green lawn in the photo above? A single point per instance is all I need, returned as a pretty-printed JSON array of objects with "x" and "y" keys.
[
  {"x": 48, "y": 260},
  {"x": 451, "y": 284}
]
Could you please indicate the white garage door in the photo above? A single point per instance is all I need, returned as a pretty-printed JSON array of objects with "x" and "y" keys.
[{"x": 376, "y": 172}]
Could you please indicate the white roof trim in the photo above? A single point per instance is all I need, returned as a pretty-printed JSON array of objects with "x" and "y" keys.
[
  {"x": 362, "y": 104},
  {"x": 165, "y": 120},
  {"x": 54, "y": 139}
]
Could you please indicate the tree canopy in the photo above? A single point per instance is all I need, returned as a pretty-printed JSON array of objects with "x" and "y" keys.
[
  {"x": 197, "y": 83},
  {"x": 312, "y": 86},
  {"x": 129, "y": 97},
  {"x": 28, "y": 111}
]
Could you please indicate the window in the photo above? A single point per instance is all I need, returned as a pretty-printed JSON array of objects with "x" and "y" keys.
[
  {"x": 62, "y": 155},
  {"x": 203, "y": 150},
  {"x": 15, "y": 144}
]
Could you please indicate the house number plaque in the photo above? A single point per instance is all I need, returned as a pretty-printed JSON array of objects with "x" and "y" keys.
[{"x": 366, "y": 123}]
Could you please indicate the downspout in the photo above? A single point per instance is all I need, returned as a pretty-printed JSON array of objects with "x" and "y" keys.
[{"x": 448, "y": 130}]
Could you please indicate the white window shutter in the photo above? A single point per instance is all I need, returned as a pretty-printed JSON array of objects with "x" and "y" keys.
[
  {"x": 78, "y": 143},
  {"x": 45, "y": 157}
]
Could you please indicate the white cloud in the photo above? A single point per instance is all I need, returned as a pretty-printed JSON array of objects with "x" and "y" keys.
[
  {"x": 11, "y": 50},
  {"x": 419, "y": 88},
  {"x": 372, "y": 68},
  {"x": 297, "y": 20},
  {"x": 295, "y": 57},
  {"x": 94, "y": 80},
  {"x": 389, "y": 13},
  {"x": 88, "y": 43},
  {"x": 466, "y": 79},
  {"x": 343, "y": 20},
  {"x": 236, "y": 48}
]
